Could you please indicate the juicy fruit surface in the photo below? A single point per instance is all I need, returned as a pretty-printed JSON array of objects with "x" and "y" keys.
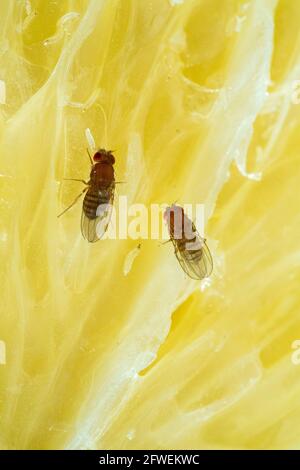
[{"x": 110, "y": 346}]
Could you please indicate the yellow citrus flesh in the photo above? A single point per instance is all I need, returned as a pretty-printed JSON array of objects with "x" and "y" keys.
[{"x": 108, "y": 347}]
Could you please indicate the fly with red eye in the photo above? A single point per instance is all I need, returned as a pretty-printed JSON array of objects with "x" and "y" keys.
[
  {"x": 98, "y": 200},
  {"x": 190, "y": 248}
]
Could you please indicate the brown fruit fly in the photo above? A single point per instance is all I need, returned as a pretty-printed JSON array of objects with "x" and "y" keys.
[
  {"x": 191, "y": 250},
  {"x": 98, "y": 200}
]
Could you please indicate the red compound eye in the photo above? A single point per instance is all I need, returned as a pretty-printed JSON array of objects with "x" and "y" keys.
[{"x": 97, "y": 157}]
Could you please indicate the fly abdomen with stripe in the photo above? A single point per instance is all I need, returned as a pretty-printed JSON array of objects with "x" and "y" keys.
[{"x": 93, "y": 199}]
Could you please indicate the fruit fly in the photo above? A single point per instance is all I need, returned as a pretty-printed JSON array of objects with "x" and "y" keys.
[
  {"x": 191, "y": 250},
  {"x": 99, "y": 197}
]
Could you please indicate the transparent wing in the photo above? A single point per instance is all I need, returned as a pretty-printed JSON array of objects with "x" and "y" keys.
[
  {"x": 93, "y": 229},
  {"x": 196, "y": 263}
]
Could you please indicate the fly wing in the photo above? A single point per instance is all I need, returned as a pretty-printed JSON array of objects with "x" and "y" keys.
[
  {"x": 197, "y": 263},
  {"x": 94, "y": 225}
]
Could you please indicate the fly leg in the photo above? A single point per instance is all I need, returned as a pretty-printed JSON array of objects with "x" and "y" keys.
[
  {"x": 75, "y": 179},
  {"x": 73, "y": 203},
  {"x": 164, "y": 243},
  {"x": 89, "y": 156}
]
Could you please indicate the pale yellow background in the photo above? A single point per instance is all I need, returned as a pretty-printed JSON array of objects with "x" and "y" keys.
[{"x": 201, "y": 104}]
